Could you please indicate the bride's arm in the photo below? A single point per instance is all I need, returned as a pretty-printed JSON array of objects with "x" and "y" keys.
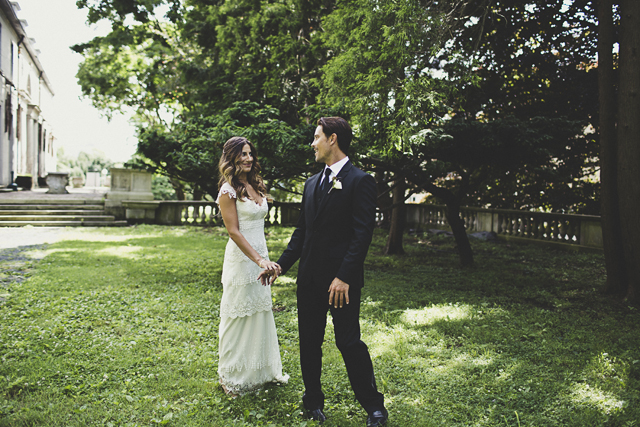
[{"x": 230, "y": 218}]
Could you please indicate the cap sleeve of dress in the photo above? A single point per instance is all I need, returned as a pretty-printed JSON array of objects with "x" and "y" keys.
[{"x": 226, "y": 189}]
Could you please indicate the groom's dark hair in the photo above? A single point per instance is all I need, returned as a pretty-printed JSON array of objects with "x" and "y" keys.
[{"x": 341, "y": 128}]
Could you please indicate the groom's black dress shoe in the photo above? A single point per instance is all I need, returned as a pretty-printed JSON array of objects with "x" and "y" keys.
[
  {"x": 318, "y": 415},
  {"x": 377, "y": 418}
]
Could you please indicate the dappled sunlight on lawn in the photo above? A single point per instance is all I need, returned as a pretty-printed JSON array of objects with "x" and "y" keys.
[
  {"x": 63, "y": 252},
  {"x": 129, "y": 318},
  {"x": 285, "y": 281},
  {"x": 429, "y": 315},
  {"x": 94, "y": 236},
  {"x": 131, "y": 252},
  {"x": 584, "y": 394},
  {"x": 588, "y": 389}
]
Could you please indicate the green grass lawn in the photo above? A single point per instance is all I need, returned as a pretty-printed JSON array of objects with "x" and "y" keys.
[{"x": 120, "y": 329}]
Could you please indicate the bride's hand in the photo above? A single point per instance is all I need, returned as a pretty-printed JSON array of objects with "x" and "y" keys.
[{"x": 271, "y": 266}]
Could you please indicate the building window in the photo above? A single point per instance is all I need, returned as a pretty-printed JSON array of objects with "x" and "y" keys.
[
  {"x": 13, "y": 47},
  {"x": 18, "y": 123}
]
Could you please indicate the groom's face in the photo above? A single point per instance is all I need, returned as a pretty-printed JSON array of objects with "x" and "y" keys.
[{"x": 321, "y": 145}]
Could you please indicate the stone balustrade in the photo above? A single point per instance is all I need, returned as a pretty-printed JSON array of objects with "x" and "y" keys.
[
  {"x": 576, "y": 230},
  {"x": 283, "y": 213},
  {"x": 583, "y": 230},
  {"x": 188, "y": 212},
  {"x": 202, "y": 213}
]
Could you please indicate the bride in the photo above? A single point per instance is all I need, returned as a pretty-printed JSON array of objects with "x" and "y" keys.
[{"x": 248, "y": 350}]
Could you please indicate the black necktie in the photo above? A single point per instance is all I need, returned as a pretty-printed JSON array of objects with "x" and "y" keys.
[{"x": 324, "y": 186}]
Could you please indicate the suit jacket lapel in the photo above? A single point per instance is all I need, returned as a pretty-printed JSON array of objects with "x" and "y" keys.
[
  {"x": 313, "y": 186},
  {"x": 327, "y": 197}
]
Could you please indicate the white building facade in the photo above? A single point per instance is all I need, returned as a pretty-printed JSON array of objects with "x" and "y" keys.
[{"x": 26, "y": 137}]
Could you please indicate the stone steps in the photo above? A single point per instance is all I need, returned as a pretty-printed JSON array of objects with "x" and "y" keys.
[
  {"x": 77, "y": 208},
  {"x": 49, "y": 201},
  {"x": 49, "y": 212},
  {"x": 55, "y": 212},
  {"x": 54, "y": 217},
  {"x": 112, "y": 223}
]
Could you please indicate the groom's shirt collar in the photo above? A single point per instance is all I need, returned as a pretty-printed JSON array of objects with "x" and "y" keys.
[{"x": 335, "y": 168}]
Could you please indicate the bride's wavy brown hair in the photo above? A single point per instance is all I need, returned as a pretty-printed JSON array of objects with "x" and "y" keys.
[{"x": 229, "y": 169}]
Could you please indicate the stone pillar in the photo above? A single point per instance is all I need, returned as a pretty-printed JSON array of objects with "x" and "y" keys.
[
  {"x": 591, "y": 234},
  {"x": 127, "y": 184},
  {"x": 93, "y": 179},
  {"x": 140, "y": 212},
  {"x": 169, "y": 213},
  {"x": 484, "y": 221},
  {"x": 32, "y": 143}
]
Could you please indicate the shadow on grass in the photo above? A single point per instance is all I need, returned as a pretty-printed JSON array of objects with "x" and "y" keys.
[
  {"x": 121, "y": 329},
  {"x": 523, "y": 337}
]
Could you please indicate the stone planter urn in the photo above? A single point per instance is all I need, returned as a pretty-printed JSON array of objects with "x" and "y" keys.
[
  {"x": 57, "y": 182},
  {"x": 76, "y": 181}
]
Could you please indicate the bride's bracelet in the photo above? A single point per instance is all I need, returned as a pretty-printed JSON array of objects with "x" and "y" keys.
[{"x": 260, "y": 263}]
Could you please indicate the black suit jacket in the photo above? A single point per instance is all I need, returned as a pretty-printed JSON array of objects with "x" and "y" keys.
[{"x": 332, "y": 237}]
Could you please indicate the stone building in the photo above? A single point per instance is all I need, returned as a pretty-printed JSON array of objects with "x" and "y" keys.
[{"x": 26, "y": 137}]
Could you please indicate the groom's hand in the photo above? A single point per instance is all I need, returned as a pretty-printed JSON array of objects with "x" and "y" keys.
[
  {"x": 338, "y": 293},
  {"x": 267, "y": 277}
]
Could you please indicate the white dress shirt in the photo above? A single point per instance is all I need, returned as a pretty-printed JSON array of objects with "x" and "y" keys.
[{"x": 335, "y": 169}]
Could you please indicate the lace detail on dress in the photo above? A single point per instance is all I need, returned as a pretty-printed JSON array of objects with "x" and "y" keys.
[
  {"x": 260, "y": 380},
  {"x": 246, "y": 278},
  {"x": 234, "y": 309},
  {"x": 252, "y": 224},
  {"x": 226, "y": 189},
  {"x": 248, "y": 347},
  {"x": 249, "y": 353}
]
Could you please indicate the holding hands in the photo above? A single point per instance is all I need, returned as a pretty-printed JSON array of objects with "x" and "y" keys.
[{"x": 271, "y": 271}]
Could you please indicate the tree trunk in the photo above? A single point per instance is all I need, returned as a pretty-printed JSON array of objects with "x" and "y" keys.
[
  {"x": 178, "y": 188},
  {"x": 629, "y": 140},
  {"x": 610, "y": 214},
  {"x": 383, "y": 200},
  {"x": 198, "y": 193},
  {"x": 452, "y": 213},
  {"x": 398, "y": 220}
]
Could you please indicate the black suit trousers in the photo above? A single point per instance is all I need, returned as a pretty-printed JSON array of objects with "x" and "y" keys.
[{"x": 313, "y": 304}]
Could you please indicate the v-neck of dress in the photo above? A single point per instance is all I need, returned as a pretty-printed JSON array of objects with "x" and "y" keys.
[
  {"x": 249, "y": 198},
  {"x": 253, "y": 201}
]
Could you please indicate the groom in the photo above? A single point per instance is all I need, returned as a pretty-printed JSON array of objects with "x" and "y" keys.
[{"x": 331, "y": 240}]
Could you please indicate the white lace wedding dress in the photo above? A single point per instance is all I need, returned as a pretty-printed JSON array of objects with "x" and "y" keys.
[{"x": 248, "y": 350}]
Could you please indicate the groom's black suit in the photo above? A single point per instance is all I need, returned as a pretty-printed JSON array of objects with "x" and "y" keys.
[{"x": 331, "y": 240}]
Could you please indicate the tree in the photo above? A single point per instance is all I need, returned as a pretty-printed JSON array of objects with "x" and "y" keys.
[
  {"x": 198, "y": 65},
  {"x": 190, "y": 151},
  {"x": 405, "y": 68},
  {"x": 265, "y": 52},
  {"x": 535, "y": 59},
  {"x": 382, "y": 72},
  {"x": 628, "y": 136},
  {"x": 611, "y": 228},
  {"x": 135, "y": 66},
  {"x": 117, "y": 10},
  {"x": 85, "y": 162},
  {"x": 620, "y": 154}
]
